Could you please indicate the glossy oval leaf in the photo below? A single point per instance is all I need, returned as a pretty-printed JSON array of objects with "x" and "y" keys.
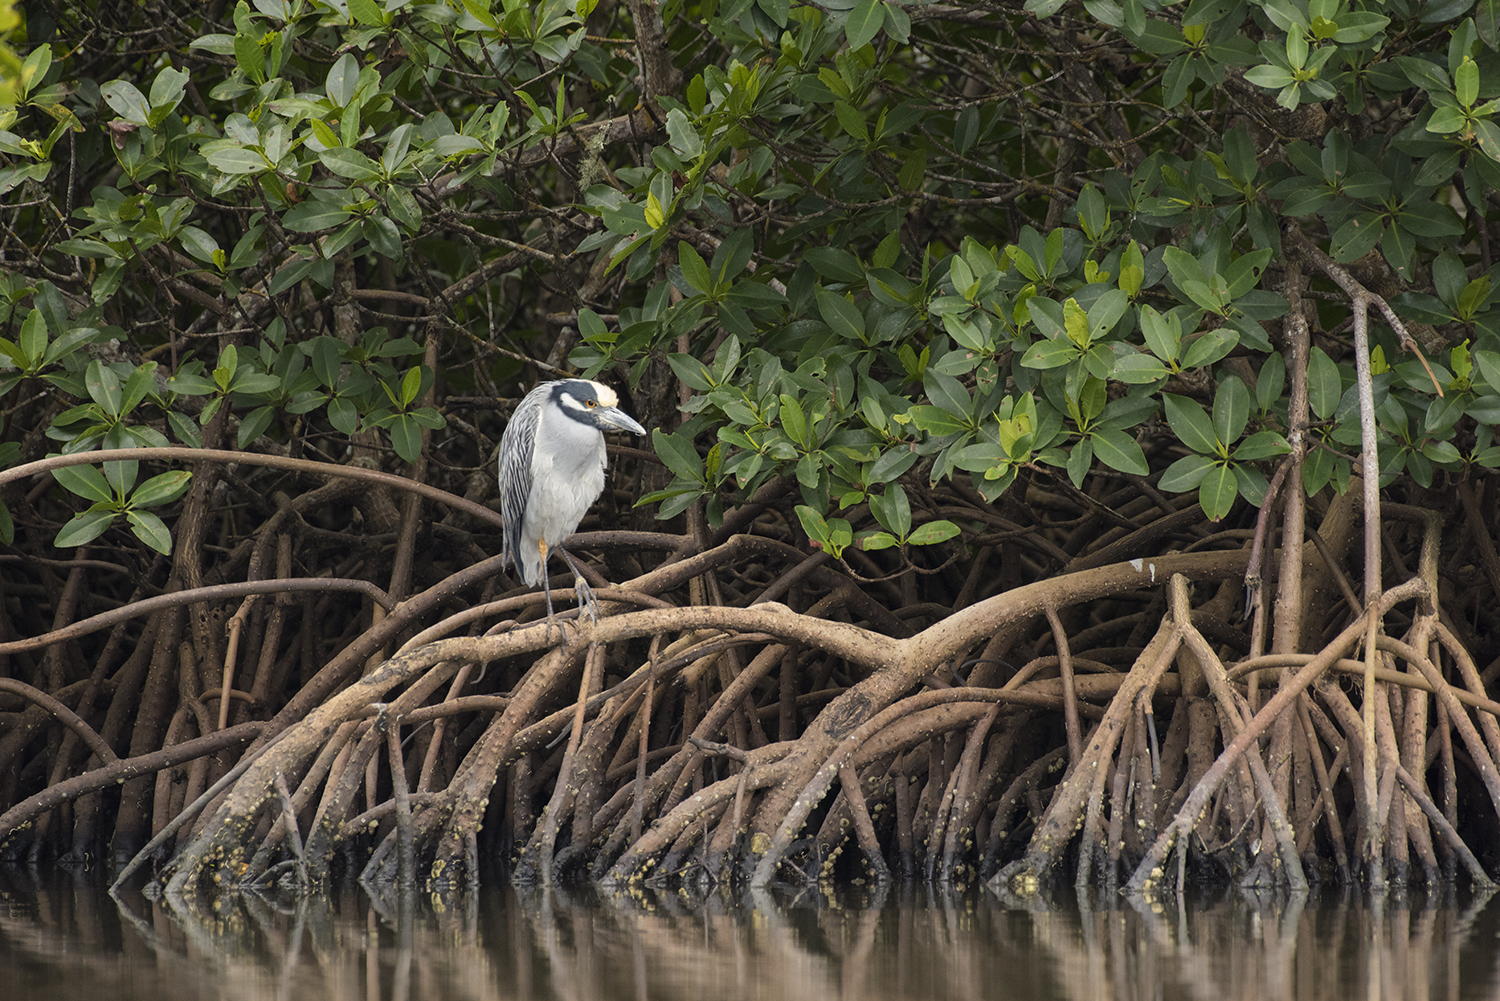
[
  {"x": 85, "y": 481},
  {"x": 84, "y": 527},
  {"x": 1191, "y": 423},
  {"x": 1218, "y": 491},
  {"x": 1119, "y": 450},
  {"x": 1231, "y": 410},
  {"x": 932, "y": 533}
]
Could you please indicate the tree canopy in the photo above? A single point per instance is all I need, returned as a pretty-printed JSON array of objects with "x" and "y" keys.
[{"x": 921, "y": 302}]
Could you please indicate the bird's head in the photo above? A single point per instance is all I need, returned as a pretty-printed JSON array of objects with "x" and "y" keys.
[{"x": 595, "y": 404}]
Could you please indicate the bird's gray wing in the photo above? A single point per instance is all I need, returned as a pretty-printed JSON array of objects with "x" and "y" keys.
[{"x": 516, "y": 447}]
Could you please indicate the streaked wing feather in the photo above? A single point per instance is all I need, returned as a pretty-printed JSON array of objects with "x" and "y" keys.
[{"x": 516, "y": 447}]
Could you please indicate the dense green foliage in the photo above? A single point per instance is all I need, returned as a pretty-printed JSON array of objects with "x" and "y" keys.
[{"x": 978, "y": 241}]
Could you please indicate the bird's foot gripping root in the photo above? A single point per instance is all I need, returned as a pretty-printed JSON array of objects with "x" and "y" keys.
[
  {"x": 586, "y": 600},
  {"x": 553, "y": 620}
]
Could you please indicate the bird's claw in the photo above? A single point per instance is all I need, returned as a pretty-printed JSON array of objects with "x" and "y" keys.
[
  {"x": 586, "y": 600},
  {"x": 587, "y": 603},
  {"x": 562, "y": 629}
]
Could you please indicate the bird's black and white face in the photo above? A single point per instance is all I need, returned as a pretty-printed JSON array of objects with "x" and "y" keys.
[{"x": 593, "y": 404}]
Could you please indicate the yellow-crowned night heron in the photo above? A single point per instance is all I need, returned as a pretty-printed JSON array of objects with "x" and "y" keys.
[{"x": 551, "y": 471}]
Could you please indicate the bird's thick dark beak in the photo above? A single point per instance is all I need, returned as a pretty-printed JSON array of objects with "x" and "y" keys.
[{"x": 615, "y": 417}]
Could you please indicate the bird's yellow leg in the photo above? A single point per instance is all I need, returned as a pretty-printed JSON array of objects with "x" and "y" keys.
[{"x": 541, "y": 548}]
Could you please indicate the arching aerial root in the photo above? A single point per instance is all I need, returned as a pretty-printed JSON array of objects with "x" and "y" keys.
[{"x": 650, "y": 747}]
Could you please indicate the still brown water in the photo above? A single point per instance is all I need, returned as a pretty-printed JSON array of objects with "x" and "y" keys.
[{"x": 63, "y": 937}]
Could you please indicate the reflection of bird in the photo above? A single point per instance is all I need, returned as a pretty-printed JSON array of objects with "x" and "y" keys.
[{"x": 551, "y": 471}]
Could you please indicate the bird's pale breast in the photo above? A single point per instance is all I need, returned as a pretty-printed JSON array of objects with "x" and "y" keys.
[{"x": 567, "y": 476}]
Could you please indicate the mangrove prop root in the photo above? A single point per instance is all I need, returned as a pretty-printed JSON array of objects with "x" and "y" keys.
[{"x": 842, "y": 741}]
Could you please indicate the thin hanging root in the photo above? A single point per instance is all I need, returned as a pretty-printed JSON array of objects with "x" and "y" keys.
[
  {"x": 972, "y": 787},
  {"x": 764, "y": 768},
  {"x": 1477, "y": 747},
  {"x": 1325, "y": 801},
  {"x": 947, "y": 791},
  {"x": 405, "y": 842},
  {"x": 812, "y": 793},
  {"x": 864, "y": 828},
  {"x": 637, "y": 811},
  {"x": 1450, "y": 775},
  {"x": 543, "y": 843},
  {"x": 1063, "y": 815},
  {"x": 1070, "y": 697},
  {"x": 1115, "y": 839},
  {"x": 1234, "y": 709},
  {"x": 1473, "y": 683},
  {"x": 329, "y": 825},
  {"x": 1147, "y": 775},
  {"x": 1098, "y": 772},
  {"x": 1148, "y": 871},
  {"x": 185, "y": 817},
  {"x": 289, "y": 822},
  {"x": 1414, "y": 790}
]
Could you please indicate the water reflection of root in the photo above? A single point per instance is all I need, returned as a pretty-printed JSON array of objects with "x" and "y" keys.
[{"x": 882, "y": 943}]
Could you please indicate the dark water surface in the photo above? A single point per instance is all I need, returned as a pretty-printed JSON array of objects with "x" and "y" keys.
[{"x": 63, "y": 937}]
